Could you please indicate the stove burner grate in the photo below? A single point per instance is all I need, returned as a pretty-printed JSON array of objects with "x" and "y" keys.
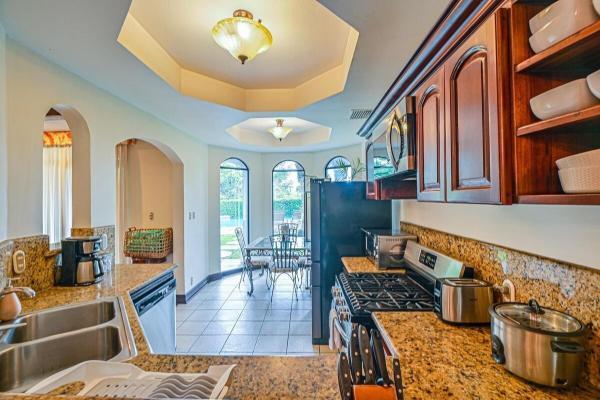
[{"x": 385, "y": 292}]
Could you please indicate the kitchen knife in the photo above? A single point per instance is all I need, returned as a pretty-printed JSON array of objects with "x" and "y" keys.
[
  {"x": 380, "y": 365},
  {"x": 355, "y": 359},
  {"x": 365, "y": 353},
  {"x": 344, "y": 377}
]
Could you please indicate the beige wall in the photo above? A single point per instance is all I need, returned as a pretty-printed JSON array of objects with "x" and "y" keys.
[
  {"x": 34, "y": 85},
  {"x": 566, "y": 233},
  {"x": 148, "y": 187},
  {"x": 260, "y": 167},
  {"x": 3, "y": 139}
]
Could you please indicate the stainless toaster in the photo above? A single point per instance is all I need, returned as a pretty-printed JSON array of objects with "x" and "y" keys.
[{"x": 462, "y": 300}]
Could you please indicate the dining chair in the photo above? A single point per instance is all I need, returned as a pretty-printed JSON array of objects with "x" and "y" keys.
[
  {"x": 284, "y": 262},
  {"x": 251, "y": 261},
  {"x": 288, "y": 228}
]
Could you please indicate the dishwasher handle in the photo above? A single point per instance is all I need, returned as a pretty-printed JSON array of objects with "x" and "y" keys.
[{"x": 152, "y": 297}]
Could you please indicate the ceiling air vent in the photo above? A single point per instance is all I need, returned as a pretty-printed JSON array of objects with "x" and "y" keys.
[{"x": 360, "y": 113}]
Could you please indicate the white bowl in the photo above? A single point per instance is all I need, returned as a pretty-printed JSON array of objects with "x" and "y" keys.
[
  {"x": 560, "y": 8},
  {"x": 564, "y": 25},
  {"x": 585, "y": 159},
  {"x": 570, "y": 97},
  {"x": 580, "y": 180},
  {"x": 597, "y": 5},
  {"x": 593, "y": 81}
]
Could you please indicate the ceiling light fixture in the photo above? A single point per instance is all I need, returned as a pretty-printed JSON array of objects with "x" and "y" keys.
[
  {"x": 241, "y": 36},
  {"x": 280, "y": 131}
]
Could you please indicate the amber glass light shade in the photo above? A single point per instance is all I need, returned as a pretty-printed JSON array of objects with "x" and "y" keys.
[{"x": 243, "y": 37}]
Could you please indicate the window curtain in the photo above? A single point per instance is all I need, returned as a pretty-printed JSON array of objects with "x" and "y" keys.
[{"x": 57, "y": 187}]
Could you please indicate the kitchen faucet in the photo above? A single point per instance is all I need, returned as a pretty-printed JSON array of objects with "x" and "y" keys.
[{"x": 10, "y": 305}]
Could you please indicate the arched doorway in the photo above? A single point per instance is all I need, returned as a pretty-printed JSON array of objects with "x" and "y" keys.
[
  {"x": 149, "y": 192},
  {"x": 66, "y": 172}
]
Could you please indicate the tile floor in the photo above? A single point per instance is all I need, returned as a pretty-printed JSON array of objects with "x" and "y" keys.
[{"x": 222, "y": 319}]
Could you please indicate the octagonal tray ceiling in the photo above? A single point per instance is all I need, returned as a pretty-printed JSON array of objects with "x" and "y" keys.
[
  {"x": 309, "y": 60},
  {"x": 255, "y": 132}
]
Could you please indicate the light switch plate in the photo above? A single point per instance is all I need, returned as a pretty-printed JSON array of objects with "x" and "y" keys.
[{"x": 19, "y": 262}]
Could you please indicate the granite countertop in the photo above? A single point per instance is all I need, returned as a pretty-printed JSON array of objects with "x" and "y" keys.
[
  {"x": 277, "y": 377},
  {"x": 363, "y": 264},
  {"x": 443, "y": 361}
]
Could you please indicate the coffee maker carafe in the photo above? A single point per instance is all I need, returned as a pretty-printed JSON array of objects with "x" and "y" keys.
[{"x": 81, "y": 263}]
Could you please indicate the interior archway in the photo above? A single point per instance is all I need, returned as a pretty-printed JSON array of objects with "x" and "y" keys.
[
  {"x": 67, "y": 172},
  {"x": 149, "y": 192}
]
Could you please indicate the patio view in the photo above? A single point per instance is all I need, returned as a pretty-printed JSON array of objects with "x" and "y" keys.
[
  {"x": 288, "y": 195},
  {"x": 233, "y": 210}
]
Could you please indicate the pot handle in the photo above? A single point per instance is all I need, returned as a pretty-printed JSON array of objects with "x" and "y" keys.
[
  {"x": 498, "y": 350},
  {"x": 566, "y": 347},
  {"x": 535, "y": 306}
]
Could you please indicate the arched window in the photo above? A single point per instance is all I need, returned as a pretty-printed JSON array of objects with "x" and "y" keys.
[
  {"x": 233, "y": 204},
  {"x": 338, "y": 169},
  {"x": 288, "y": 194}
]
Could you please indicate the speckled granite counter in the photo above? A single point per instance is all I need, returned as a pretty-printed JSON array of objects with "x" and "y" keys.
[
  {"x": 441, "y": 361},
  {"x": 254, "y": 377},
  {"x": 363, "y": 264}
]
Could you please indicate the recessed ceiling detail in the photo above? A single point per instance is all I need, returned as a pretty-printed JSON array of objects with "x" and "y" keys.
[
  {"x": 309, "y": 60},
  {"x": 256, "y": 132}
]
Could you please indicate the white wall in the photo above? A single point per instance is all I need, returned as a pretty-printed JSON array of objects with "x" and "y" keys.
[
  {"x": 566, "y": 233},
  {"x": 34, "y": 84},
  {"x": 260, "y": 167},
  {"x": 3, "y": 139}
]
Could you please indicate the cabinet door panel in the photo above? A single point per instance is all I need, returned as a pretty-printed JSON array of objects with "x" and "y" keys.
[
  {"x": 472, "y": 130},
  {"x": 430, "y": 139}
]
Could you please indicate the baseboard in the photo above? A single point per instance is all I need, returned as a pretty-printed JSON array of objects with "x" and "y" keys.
[{"x": 185, "y": 298}]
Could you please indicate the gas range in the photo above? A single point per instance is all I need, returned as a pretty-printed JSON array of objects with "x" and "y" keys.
[{"x": 357, "y": 295}]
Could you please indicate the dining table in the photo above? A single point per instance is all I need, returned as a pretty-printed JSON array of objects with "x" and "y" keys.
[{"x": 261, "y": 246}]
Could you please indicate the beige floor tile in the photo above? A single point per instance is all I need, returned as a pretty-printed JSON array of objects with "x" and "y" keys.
[
  {"x": 299, "y": 328},
  {"x": 240, "y": 344},
  {"x": 192, "y": 328},
  {"x": 268, "y": 344},
  {"x": 211, "y": 344},
  {"x": 202, "y": 315},
  {"x": 219, "y": 328},
  {"x": 247, "y": 328},
  {"x": 275, "y": 328},
  {"x": 302, "y": 344},
  {"x": 184, "y": 342}
]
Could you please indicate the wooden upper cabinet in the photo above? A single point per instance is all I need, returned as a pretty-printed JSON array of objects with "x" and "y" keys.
[
  {"x": 430, "y": 139},
  {"x": 475, "y": 146}
]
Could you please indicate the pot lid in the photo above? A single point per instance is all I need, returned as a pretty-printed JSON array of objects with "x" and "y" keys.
[{"x": 533, "y": 316}]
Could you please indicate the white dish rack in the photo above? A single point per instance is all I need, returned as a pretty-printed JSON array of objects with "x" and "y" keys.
[{"x": 117, "y": 380}]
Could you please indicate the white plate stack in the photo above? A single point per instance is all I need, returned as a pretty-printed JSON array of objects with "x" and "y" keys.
[
  {"x": 560, "y": 20},
  {"x": 580, "y": 173}
]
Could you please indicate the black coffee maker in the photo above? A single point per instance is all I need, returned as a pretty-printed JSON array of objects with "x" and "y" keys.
[{"x": 80, "y": 262}]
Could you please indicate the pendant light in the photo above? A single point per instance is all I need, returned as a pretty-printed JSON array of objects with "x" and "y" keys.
[
  {"x": 243, "y": 37},
  {"x": 280, "y": 131}
]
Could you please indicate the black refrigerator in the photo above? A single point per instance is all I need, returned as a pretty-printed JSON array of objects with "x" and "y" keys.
[{"x": 337, "y": 212}]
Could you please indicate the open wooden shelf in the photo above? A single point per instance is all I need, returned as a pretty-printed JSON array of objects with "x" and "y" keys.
[
  {"x": 574, "y": 199},
  {"x": 578, "y": 120},
  {"x": 580, "y": 51}
]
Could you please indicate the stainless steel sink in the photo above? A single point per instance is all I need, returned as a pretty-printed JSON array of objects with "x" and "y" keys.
[
  {"x": 102, "y": 333},
  {"x": 59, "y": 320}
]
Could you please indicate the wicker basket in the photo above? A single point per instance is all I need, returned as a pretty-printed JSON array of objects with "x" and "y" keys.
[{"x": 152, "y": 244}]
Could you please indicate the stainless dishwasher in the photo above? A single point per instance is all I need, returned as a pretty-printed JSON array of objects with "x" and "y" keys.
[{"x": 155, "y": 305}]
